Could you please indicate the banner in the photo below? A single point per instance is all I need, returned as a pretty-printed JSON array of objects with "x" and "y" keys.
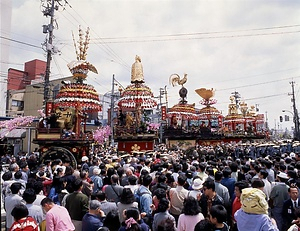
[
  {"x": 49, "y": 108},
  {"x": 163, "y": 112}
]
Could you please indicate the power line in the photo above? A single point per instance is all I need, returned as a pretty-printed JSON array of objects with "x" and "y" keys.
[
  {"x": 256, "y": 84},
  {"x": 106, "y": 48},
  {"x": 206, "y": 33},
  {"x": 17, "y": 41},
  {"x": 201, "y": 38}
]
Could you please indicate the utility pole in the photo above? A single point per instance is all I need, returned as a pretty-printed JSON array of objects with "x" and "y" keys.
[
  {"x": 295, "y": 112},
  {"x": 162, "y": 91},
  {"x": 48, "y": 10},
  {"x": 267, "y": 125},
  {"x": 112, "y": 102}
]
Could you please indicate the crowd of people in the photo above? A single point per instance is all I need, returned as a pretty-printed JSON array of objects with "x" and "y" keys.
[{"x": 212, "y": 188}]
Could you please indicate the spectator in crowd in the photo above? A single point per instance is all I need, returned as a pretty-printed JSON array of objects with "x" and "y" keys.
[
  {"x": 228, "y": 182},
  {"x": 77, "y": 204},
  {"x": 295, "y": 223},
  {"x": 271, "y": 174},
  {"x": 162, "y": 219},
  {"x": 97, "y": 180},
  {"x": 258, "y": 183},
  {"x": 221, "y": 190},
  {"x": 144, "y": 196},
  {"x": 95, "y": 164},
  {"x": 11, "y": 201},
  {"x": 57, "y": 187},
  {"x": 14, "y": 167},
  {"x": 24, "y": 170},
  {"x": 22, "y": 220},
  {"x": 263, "y": 175},
  {"x": 127, "y": 201},
  {"x": 113, "y": 192},
  {"x": 204, "y": 225},
  {"x": 133, "y": 221},
  {"x": 84, "y": 163},
  {"x": 236, "y": 205},
  {"x": 124, "y": 180},
  {"x": 92, "y": 220},
  {"x": 106, "y": 206},
  {"x": 253, "y": 214},
  {"x": 218, "y": 217},
  {"x": 190, "y": 216},
  {"x": 209, "y": 198},
  {"x": 201, "y": 172},
  {"x": 38, "y": 189},
  {"x": 57, "y": 217},
  {"x": 196, "y": 188},
  {"x": 132, "y": 180},
  {"x": 18, "y": 178},
  {"x": 161, "y": 183},
  {"x": 278, "y": 195},
  {"x": 158, "y": 194},
  {"x": 35, "y": 211},
  {"x": 87, "y": 187},
  {"x": 177, "y": 196},
  {"x": 289, "y": 207},
  {"x": 112, "y": 221},
  {"x": 7, "y": 181}
]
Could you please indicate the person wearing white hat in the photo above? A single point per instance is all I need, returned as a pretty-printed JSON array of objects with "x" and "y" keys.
[
  {"x": 84, "y": 165},
  {"x": 278, "y": 195},
  {"x": 196, "y": 186}
]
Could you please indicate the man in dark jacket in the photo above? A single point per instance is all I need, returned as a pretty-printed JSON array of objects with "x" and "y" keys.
[
  {"x": 289, "y": 206},
  {"x": 94, "y": 218},
  {"x": 209, "y": 197}
]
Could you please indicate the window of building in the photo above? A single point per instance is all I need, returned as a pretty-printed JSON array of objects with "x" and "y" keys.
[{"x": 17, "y": 103}]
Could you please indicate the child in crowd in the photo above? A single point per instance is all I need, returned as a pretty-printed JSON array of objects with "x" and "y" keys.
[
  {"x": 133, "y": 221},
  {"x": 218, "y": 216}
]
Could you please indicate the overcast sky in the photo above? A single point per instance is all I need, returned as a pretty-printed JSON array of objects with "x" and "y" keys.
[{"x": 252, "y": 47}]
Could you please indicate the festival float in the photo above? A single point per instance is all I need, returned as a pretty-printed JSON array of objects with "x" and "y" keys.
[
  {"x": 134, "y": 131},
  {"x": 242, "y": 121},
  {"x": 210, "y": 117},
  {"x": 207, "y": 125},
  {"x": 180, "y": 116},
  {"x": 62, "y": 130}
]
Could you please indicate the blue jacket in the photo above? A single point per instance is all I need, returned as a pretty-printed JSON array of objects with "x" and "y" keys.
[
  {"x": 145, "y": 200},
  {"x": 91, "y": 222}
]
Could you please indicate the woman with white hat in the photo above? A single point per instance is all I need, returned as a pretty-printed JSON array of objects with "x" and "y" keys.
[{"x": 196, "y": 186}]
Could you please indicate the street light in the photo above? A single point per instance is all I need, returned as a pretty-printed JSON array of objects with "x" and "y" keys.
[{"x": 296, "y": 122}]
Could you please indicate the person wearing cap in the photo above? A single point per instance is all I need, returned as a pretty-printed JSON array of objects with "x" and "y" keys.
[
  {"x": 279, "y": 194},
  {"x": 92, "y": 220},
  {"x": 84, "y": 163}
]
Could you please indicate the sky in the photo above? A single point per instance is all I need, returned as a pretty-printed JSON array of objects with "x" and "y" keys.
[{"x": 249, "y": 46}]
